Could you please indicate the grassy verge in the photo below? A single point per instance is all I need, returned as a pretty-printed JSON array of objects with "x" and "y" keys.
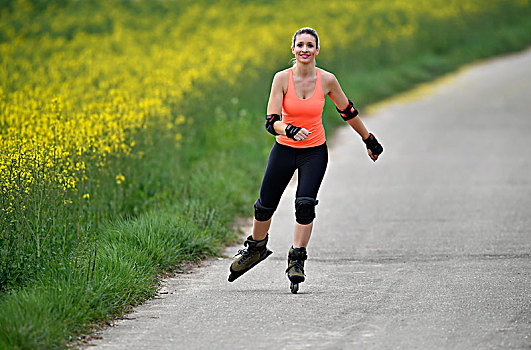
[{"x": 194, "y": 194}]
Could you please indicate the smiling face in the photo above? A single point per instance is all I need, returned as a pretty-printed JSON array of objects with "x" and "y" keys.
[{"x": 305, "y": 48}]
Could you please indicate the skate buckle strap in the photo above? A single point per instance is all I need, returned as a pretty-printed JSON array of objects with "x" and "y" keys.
[{"x": 298, "y": 254}]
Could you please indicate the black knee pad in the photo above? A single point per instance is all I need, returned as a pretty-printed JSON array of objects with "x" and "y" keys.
[
  {"x": 305, "y": 210},
  {"x": 262, "y": 213}
]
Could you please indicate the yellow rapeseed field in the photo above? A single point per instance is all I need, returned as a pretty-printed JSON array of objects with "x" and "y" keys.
[{"x": 77, "y": 88}]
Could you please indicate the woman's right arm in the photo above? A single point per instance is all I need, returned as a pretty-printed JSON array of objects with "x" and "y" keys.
[{"x": 274, "y": 106}]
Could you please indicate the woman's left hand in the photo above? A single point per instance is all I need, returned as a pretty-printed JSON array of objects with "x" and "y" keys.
[
  {"x": 372, "y": 156},
  {"x": 374, "y": 148}
]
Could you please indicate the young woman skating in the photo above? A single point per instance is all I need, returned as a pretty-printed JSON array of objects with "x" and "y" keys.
[{"x": 294, "y": 116}]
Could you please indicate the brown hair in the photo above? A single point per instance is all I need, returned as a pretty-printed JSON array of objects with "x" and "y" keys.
[{"x": 306, "y": 30}]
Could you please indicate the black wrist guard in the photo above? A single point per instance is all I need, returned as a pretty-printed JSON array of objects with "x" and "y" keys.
[
  {"x": 292, "y": 130},
  {"x": 270, "y": 120},
  {"x": 373, "y": 145},
  {"x": 349, "y": 112}
]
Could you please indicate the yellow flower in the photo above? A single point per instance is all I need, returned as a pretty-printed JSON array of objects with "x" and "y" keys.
[
  {"x": 180, "y": 119},
  {"x": 119, "y": 179}
]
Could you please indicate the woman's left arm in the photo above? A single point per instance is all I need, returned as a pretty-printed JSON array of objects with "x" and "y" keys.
[{"x": 342, "y": 102}]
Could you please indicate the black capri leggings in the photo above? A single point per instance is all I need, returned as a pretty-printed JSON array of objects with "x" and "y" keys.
[{"x": 283, "y": 160}]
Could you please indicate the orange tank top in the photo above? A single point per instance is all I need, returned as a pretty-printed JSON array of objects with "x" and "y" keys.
[{"x": 305, "y": 113}]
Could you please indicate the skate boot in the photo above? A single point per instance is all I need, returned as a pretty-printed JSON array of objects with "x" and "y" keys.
[
  {"x": 295, "y": 270},
  {"x": 256, "y": 251}
]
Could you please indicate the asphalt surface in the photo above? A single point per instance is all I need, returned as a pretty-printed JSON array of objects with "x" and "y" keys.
[{"x": 429, "y": 248}]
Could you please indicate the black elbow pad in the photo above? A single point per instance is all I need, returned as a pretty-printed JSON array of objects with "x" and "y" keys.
[
  {"x": 348, "y": 113},
  {"x": 270, "y": 120}
]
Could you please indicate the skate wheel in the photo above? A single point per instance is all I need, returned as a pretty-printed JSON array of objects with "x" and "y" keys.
[{"x": 294, "y": 287}]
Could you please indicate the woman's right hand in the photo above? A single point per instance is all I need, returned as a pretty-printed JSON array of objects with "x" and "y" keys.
[
  {"x": 302, "y": 135},
  {"x": 296, "y": 133}
]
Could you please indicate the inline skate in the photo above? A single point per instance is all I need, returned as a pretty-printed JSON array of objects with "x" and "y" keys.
[
  {"x": 248, "y": 258},
  {"x": 295, "y": 270}
]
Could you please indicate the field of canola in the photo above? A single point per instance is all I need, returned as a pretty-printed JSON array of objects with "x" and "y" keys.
[{"x": 76, "y": 89}]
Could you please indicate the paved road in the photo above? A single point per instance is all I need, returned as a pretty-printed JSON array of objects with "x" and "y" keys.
[{"x": 429, "y": 248}]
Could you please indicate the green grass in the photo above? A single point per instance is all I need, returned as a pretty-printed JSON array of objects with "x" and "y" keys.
[{"x": 180, "y": 206}]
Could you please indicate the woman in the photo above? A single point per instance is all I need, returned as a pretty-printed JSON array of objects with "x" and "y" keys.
[{"x": 294, "y": 116}]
